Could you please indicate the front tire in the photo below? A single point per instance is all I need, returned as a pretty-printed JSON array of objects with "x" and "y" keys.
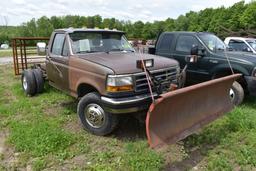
[
  {"x": 236, "y": 93},
  {"x": 93, "y": 117}
]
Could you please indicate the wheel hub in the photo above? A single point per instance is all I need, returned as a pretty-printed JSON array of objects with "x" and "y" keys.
[
  {"x": 232, "y": 94},
  {"x": 25, "y": 83},
  {"x": 94, "y": 115}
]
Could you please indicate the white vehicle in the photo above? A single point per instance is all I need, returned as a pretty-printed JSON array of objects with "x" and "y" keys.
[
  {"x": 41, "y": 48},
  {"x": 4, "y": 46},
  {"x": 241, "y": 44}
]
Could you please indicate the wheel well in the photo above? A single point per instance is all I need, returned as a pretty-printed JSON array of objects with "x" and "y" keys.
[
  {"x": 241, "y": 80},
  {"x": 84, "y": 89}
]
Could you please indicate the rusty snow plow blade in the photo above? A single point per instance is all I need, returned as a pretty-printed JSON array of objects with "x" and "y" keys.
[{"x": 177, "y": 114}]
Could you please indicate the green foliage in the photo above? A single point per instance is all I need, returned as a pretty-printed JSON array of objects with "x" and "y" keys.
[
  {"x": 138, "y": 153},
  {"x": 240, "y": 16},
  {"x": 39, "y": 164},
  {"x": 40, "y": 138},
  {"x": 219, "y": 163},
  {"x": 43, "y": 132}
]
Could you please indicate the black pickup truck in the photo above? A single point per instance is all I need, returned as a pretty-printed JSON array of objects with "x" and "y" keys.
[{"x": 212, "y": 60}]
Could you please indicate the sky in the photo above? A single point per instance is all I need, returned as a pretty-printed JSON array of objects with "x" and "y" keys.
[{"x": 15, "y": 12}]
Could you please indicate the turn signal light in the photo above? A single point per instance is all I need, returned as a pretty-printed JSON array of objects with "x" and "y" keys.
[{"x": 119, "y": 88}]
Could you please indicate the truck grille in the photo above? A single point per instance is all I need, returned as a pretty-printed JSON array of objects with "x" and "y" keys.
[{"x": 141, "y": 85}]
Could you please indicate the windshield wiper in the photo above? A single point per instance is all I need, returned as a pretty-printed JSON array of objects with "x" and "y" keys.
[
  {"x": 119, "y": 49},
  {"x": 87, "y": 51}
]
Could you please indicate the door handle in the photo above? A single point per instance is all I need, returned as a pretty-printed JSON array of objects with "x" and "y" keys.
[{"x": 213, "y": 61}]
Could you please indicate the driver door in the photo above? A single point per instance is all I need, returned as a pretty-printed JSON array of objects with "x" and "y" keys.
[
  {"x": 57, "y": 63},
  {"x": 182, "y": 49}
]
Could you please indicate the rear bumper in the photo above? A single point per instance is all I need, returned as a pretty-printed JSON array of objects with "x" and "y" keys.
[
  {"x": 127, "y": 104},
  {"x": 251, "y": 85}
]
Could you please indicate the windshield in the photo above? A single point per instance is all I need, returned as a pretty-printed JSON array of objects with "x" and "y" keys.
[
  {"x": 252, "y": 43},
  {"x": 213, "y": 42},
  {"x": 89, "y": 42}
]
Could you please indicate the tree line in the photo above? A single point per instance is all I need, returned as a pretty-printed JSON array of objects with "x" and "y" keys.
[{"x": 237, "y": 20}]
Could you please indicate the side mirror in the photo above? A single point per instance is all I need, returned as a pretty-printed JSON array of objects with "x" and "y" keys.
[
  {"x": 194, "y": 51},
  {"x": 193, "y": 57},
  {"x": 151, "y": 50},
  {"x": 41, "y": 48},
  {"x": 229, "y": 48},
  {"x": 247, "y": 49}
]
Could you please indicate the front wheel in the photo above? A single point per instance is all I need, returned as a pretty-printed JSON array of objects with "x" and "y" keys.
[
  {"x": 236, "y": 93},
  {"x": 93, "y": 117}
]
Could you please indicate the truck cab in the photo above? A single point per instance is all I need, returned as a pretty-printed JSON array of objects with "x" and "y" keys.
[{"x": 213, "y": 61}]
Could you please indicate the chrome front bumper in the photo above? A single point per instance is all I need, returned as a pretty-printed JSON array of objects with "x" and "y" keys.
[{"x": 127, "y": 104}]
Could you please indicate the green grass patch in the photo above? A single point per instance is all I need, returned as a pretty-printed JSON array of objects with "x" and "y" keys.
[
  {"x": 39, "y": 164},
  {"x": 40, "y": 138},
  {"x": 44, "y": 130},
  {"x": 137, "y": 154},
  {"x": 6, "y": 53},
  {"x": 9, "y": 53}
]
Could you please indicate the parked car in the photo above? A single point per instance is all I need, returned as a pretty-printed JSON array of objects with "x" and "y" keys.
[
  {"x": 41, "y": 48},
  {"x": 241, "y": 44},
  {"x": 212, "y": 62},
  {"x": 4, "y": 46}
]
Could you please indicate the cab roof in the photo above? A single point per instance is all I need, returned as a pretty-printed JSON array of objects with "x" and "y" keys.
[
  {"x": 186, "y": 32},
  {"x": 72, "y": 30},
  {"x": 240, "y": 38}
]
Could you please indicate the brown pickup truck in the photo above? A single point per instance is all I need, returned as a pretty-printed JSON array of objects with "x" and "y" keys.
[{"x": 99, "y": 67}]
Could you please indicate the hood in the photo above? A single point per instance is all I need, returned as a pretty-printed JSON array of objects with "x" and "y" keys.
[
  {"x": 241, "y": 56},
  {"x": 125, "y": 62}
]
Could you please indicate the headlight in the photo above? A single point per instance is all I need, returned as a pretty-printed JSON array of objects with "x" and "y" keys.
[
  {"x": 117, "y": 83},
  {"x": 254, "y": 72}
]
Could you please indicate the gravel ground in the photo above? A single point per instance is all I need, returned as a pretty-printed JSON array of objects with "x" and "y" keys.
[{"x": 5, "y": 60}]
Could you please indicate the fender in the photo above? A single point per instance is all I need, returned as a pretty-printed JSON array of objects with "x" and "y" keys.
[{"x": 225, "y": 67}]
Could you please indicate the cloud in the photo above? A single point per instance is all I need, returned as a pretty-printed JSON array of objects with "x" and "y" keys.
[
  {"x": 18, "y": 2},
  {"x": 19, "y": 11}
]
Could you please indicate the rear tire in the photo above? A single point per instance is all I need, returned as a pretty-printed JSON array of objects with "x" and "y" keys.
[
  {"x": 39, "y": 80},
  {"x": 236, "y": 93},
  {"x": 28, "y": 82},
  {"x": 93, "y": 117}
]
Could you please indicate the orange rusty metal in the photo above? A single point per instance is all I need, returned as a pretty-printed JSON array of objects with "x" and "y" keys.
[
  {"x": 20, "y": 54},
  {"x": 177, "y": 114}
]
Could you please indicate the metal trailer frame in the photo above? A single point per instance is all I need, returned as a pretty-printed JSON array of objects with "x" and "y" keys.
[{"x": 21, "y": 60}]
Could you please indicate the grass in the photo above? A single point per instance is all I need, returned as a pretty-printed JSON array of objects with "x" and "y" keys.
[
  {"x": 44, "y": 133},
  {"x": 8, "y": 52}
]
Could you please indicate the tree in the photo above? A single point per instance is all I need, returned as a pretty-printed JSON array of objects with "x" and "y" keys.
[
  {"x": 248, "y": 17},
  {"x": 45, "y": 27}
]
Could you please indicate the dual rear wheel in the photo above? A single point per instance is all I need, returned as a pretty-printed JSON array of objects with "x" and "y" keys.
[{"x": 32, "y": 81}]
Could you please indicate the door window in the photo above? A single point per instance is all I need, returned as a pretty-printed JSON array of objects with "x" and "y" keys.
[
  {"x": 65, "y": 48},
  {"x": 185, "y": 43},
  {"x": 165, "y": 43},
  {"x": 237, "y": 45},
  {"x": 58, "y": 44}
]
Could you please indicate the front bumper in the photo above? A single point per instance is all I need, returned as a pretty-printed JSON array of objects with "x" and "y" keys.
[
  {"x": 251, "y": 85},
  {"x": 127, "y": 104}
]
